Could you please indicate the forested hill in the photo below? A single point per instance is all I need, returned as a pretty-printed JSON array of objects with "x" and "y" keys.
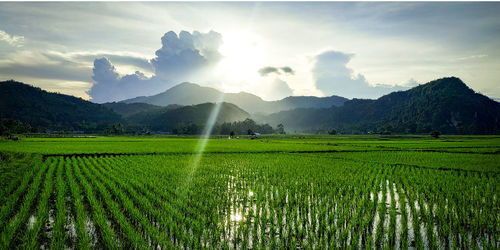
[
  {"x": 44, "y": 110},
  {"x": 41, "y": 111},
  {"x": 445, "y": 105},
  {"x": 192, "y": 117}
]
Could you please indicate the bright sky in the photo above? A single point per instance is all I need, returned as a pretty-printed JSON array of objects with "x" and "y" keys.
[{"x": 349, "y": 49}]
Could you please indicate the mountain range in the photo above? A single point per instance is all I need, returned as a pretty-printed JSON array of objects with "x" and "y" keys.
[
  {"x": 446, "y": 105},
  {"x": 191, "y": 94}
]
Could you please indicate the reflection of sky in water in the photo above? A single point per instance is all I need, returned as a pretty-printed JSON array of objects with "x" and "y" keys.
[
  {"x": 236, "y": 214},
  {"x": 236, "y": 217}
]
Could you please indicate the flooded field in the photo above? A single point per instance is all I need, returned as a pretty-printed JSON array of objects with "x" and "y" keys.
[{"x": 322, "y": 194}]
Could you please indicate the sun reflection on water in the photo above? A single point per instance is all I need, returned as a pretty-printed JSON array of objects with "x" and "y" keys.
[{"x": 236, "y": 217}]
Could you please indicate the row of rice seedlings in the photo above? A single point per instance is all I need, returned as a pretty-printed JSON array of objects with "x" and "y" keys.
[
  {"x": 27, "y": 167},
  {"x": 427, "y": 216},
  {"x": 427, "y": 220},
  {"x": 370, "y": 210},
  {"x": 404, "y": 218},
  {"x": 21, "y": 217},
  {"x": 429, "y": 188},
  {"x": 34, "y": 231},
  {"x": 307, "y": 224},
  {"x": 382, "y": 208},
  {"x": 392, "y": 215},
  {"x": 132, "y": 237},
  {"x": 186, "y": 211},
  {"x": 161, "y": 209},
  {"x": 356, "y": 224},
  {"x": 108, "y": 235},
  {"x": 59, "y": 235},
  {"x": 283, "y": 213},
  {"x": 409, "y": 192},
  {"x": 132, "y": 211},
  {"x": 7, "y": 207},
  {"x": 173, "y": 223},
  {"x": 83, "y": 241}
]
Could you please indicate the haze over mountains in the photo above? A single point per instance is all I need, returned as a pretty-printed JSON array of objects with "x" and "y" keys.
[
  {"x": 446, "y": 105},
  {"x": 190, "y": 93}
]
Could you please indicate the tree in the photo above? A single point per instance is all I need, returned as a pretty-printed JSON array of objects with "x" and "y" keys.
[
  {"x": 250, "y": 132},
  {"x": 435, "y": 134},
  {"x": 386, "y": 130},
  {"x": 232, "y": 134},
  {"x": 118, "y": 129},
  {"x": 332, "y": 132},
  {"x": 11, "y": 126},
  {"x": 280, "y": 129}
]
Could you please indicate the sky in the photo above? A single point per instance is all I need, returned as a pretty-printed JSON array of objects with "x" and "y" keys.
[{"x": 110, "y": 51}]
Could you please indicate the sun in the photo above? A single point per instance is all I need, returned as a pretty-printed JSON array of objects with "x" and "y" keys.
[{"x": 242, "y": 59}]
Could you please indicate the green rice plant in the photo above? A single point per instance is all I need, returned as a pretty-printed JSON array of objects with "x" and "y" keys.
[
  {"x": 42, "y": 212},
  {"x": 132, "y": 237},
  {"x": 134, "y": 212},
  {"x": 11, "y": 201},
  {"x": 258, "y": 195},
  {"x": 78, "y": 206},
  {"x": 59, "y": 234},
  {"x": 22, "y": 216},
  {"x": 107, "y": 234},
  {"x": 404, "y": 218},
  {"x": 392, "y": 220}
]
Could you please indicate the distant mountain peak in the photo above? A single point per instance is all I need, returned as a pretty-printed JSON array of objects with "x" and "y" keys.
[
  {"x": 186, "y": 84},
  {"x": 447, "y": 105},
  {"x": 188, "y": 93},
  {"x": 447, "y": 83}
]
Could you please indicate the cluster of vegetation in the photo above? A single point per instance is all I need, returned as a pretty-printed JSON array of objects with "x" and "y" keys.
[
  {"x": 390, "y": 194},
  {"x": 248, "y": 126},
  {"x": 446, "y": 105},
  {"x": 227, "y": 128},
  {"x": 11, "y": 126}
]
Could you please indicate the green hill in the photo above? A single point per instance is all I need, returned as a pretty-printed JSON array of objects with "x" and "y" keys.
[
  {"x": 45, "y": 110},
  {"x": 446, "y": 105},
  {"x": 128, "y": 109},
  {"x": 168, "y": 119}
]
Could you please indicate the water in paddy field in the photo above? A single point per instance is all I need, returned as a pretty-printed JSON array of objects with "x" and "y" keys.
[
  {"x": 261, "y": 205},
  {"x": 273, "y": 223}
]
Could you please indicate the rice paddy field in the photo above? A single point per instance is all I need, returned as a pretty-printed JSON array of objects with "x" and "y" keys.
[{"x": 286, "y": 192}]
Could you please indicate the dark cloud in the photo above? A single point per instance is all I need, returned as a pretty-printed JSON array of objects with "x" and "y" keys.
[
  {"x": 56, "y": 70},
  {"x": 181, "y": 58},
  {"x": 287, "y": 70},
  {"x": 269, "y": 70},
  {"x": 333, "y": 77}
]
